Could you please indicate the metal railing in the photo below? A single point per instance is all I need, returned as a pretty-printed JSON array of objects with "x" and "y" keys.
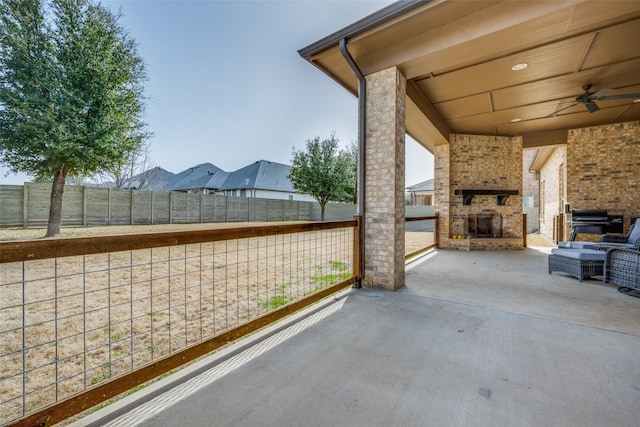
[
  {"x": 85, "y": 319},
  {"x": 421, "y": 234}
]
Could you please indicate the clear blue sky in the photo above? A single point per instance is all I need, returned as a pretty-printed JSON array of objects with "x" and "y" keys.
[{"x": 227, "y": 86}]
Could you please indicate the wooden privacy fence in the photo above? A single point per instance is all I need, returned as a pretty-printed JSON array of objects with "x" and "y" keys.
[{"x": 28, "y": 206}]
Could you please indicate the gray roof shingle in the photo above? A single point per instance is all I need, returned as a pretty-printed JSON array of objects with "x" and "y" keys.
[
  {"x": 261, "y": 175},
  {"x": 422, "y": 186},
  {"x": 205, "y": 175}
]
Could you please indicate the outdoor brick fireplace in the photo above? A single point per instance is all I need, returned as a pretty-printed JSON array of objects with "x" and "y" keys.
[
  {"x": 478, "y": 197},
  {"x": 487, "y": 224}
]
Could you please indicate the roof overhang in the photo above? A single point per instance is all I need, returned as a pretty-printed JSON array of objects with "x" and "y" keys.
[
  {"x": 458, "y": 56},
  {"x": 541, "y": 157}
]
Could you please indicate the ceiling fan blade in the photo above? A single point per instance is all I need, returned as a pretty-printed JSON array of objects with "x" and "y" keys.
[
  {"x": 562, "y": 109},
  {"x": 621, "y": 96},
  {"x": 597, "y": 94},
  {"x": 591, "y": 106}
]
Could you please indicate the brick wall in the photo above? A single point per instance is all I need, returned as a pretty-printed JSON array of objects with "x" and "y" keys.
[
  {"x": 385, "y": 170},
  {"x": 485, "y": 163},
  {"x": 441, "y": 194},
  {"x": 603, "y": 169},
  {"x": 530, "y": 183}
]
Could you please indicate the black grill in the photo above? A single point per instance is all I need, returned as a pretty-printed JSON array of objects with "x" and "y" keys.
[{"x": 594, "y": 221}]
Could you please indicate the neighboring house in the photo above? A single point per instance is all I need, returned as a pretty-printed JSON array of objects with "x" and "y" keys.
[
  {"x": 262, "y": 179},
  {"x": 154, "y": 179},
  {"x": 204, "y": 178},
  {"x": 421, "y": 193}
]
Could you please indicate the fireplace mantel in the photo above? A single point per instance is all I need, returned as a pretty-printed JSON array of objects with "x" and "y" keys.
[{"x": 502, "y": 195}]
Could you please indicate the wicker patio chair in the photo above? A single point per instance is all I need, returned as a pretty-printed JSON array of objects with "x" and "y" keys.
[
  {"x": 631, "y": 239},
  {"x": 622, "y": 266}
]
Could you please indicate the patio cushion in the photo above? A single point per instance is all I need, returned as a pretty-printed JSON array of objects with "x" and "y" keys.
[
  {"x": 583, "y": 254},
  {"x": 635, "y": 232},
  {"x": 576, "y": 245},
  {"x": 630, "y": 239}
]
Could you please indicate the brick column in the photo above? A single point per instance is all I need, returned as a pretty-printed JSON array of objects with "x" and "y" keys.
[
  {"x": 442, "y": 193},
  {"x": 384, "y": 172}
]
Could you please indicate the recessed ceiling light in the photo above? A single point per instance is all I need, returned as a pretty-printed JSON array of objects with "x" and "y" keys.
[
  {"x": 520, "y": 66},
  {"x": 516, "y": 120}
]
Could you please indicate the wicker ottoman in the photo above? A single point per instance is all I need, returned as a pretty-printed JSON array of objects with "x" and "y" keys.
[{"x": 579, "y": 263}]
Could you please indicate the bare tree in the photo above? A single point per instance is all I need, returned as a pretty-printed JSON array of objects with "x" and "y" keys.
[{"x": 131, "y": 172}]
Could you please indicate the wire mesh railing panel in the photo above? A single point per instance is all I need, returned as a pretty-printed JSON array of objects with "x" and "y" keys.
[
  {"x": 71, "y": 323},
  {"x": 420, "y": 234}
]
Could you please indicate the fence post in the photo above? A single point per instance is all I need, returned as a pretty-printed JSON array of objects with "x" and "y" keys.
[
  {"x": 170, "y": 207},
  {"x": 131, "y": 204},
  {"x": 25, "y": 205},
  {"x": 84, "y": 206},
  {"x": 109, "y": 206},
  {"x": 357, "y": 252},
  {"x": 214, "y": 196}
]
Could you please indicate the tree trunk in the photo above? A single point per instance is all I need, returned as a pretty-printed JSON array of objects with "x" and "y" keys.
[
  {"x": 55, "y": 210},
  {"x": 322, "y": 206}
]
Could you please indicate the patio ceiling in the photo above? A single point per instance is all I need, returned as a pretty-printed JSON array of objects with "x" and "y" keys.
[{"x": 458, "y": 56}]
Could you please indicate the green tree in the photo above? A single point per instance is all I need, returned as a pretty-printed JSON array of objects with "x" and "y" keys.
[
  {"x": 351, "y": 189},
  {"x": 71, "y": 92},
  {"x": 324, "y": 172}
]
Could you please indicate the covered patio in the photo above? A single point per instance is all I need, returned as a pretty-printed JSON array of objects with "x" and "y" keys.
[
  {"x": 470, "y": 338},
  {"x": 474, "y": 338},
  {"x": 476, "y": 83}
]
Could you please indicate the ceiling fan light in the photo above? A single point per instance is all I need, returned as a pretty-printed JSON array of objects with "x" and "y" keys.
[{"x": 520, "y": 66}]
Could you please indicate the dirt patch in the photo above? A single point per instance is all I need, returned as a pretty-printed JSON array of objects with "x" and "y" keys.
[{"x": 114, "y": 230}]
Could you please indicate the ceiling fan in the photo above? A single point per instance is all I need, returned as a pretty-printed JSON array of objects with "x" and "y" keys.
[{"x": 588, "y": 98}]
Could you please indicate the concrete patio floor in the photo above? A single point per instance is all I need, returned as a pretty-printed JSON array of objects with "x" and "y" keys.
[{"x": 473, "y": 339}]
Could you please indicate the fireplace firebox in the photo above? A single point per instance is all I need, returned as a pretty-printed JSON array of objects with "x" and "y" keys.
[{"x": 487, "y": 224}]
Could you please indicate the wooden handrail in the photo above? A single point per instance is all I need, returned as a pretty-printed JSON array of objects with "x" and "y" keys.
[
  {"x": 29, "y": 250},
  {"x": 419, "y": 218}
]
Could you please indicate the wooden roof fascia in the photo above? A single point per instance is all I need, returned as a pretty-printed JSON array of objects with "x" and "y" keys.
[{"x": 365, "y": 24}]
